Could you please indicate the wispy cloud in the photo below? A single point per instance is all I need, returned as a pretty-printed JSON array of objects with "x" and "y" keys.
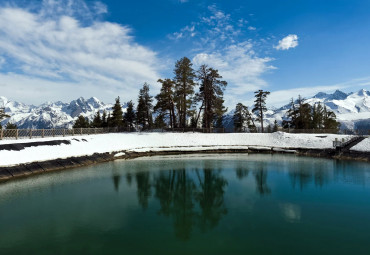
[
  {"x": 60, "y": 44},
  {"x": 288, "y": 42},
  {"x": 222, "y": 42}
]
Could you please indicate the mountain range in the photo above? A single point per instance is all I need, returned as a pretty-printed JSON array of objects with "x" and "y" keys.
[{"x": 352, "y": 111}]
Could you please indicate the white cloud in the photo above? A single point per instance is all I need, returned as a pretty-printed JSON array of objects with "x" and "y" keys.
[
  {"x": 251, "y": 28},
  {"x": 288, "y": 42},
  {"x": 65, "y": 53},
  {"x": 240, "y": 67}
]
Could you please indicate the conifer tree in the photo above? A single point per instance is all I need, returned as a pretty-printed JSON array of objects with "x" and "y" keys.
[
  {"x": 243, "y": 117},
  {"x": 329, "y": 120},
  {"x": 144, "y": 108},
  {"x": 117, "y": 114},
  {"x": 211, "y": 92},
  {"x": 184, "y": 89},
  {"x": 104, "y": 119},
  {"x": 97, "y": 121},
  {"x": 129, "y": 116},
  {"x": 3, "y": 115},
  {"x": 159, "y": 121},
  {"x": 81, "y": 122},
  {"x": 10, "y": 125},
  {"x": 275, "y": 128},
  {"x": 165, "y": 101},
  {"x": 260, "y": 105}
]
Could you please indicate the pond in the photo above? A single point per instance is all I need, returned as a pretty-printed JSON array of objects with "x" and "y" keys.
[{"x": 197, "y": 204}]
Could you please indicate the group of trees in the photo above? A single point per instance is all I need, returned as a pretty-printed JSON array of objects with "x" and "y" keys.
[
  {"x": 178, "y": 100},
  {"x": 243, "y": 118},
  {"x": 304, "y": 116},
  {"x": 176, "y": 103}
]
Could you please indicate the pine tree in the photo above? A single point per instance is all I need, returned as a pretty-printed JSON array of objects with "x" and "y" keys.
[
  {"x": 211, "y": 92},
  {"x": 3, "y": 115},
  {"x": 300, "y": 114},
  {"x": 81, "y": 122},
  {"x": 241, "y": 117},
  {"x": 275, "y": 128},
  {"x": 184, "y": 89},
  {"x": 129, "y": 116},
  {"x": 260, "y": 105},
  {"x": 329, "y": 120},
  {"x": 159, "y": 121},
  {"x": 165, "y": 101},
  {"x": 117, "y": 114},
  {"x": 97, "y": 121},
  {"x": 104, "y": 119},
  {"x": 10, "y": 125},
  {"x": 144, "y": 108}
]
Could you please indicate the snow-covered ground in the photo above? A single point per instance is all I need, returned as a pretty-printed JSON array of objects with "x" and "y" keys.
[
  {"x": 142, "y": 142},
  {"x": 363, "y": 146}
]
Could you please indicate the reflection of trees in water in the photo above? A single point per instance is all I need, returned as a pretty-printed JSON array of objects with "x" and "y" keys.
[
  {"x": 241, "y": 170},
  {"x": 143, "y": 188},
  {"x": 210, "y": 197},
  {"x": 260, "y": 174},
  {"x": 179, "y": 193},
  {"x": 116, "y": 181}
]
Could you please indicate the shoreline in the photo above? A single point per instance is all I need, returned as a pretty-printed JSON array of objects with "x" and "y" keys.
[{"x": 8, "y": 173}]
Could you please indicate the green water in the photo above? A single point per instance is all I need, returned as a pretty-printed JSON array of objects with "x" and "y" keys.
[{"x": 199, "y": 204}]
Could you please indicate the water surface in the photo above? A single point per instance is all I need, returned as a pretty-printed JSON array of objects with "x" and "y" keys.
[{"x": 198, "y": 204}]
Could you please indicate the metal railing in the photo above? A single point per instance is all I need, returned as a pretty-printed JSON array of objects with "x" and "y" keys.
[{"x": 55, "y": 132}]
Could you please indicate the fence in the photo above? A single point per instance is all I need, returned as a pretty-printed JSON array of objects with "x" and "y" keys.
[
  {"x": 58, "y": 132},
  {"x": 41, "y": 133}
]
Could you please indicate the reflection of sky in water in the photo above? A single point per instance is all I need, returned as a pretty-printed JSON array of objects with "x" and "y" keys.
[
  {"x": 225, "y": 200},
  {"x": 291, "y": 212}
]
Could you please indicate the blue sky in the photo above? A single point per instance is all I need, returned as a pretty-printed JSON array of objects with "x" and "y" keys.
[{"x": 60, "y": 50}]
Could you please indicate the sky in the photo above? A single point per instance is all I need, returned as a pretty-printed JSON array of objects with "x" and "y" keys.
[{"x": 60, "y": 50}]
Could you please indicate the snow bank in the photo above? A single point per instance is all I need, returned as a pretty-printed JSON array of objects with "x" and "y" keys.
[
  {"x": 142, "y": 142},
  {"x": 362, "y": 146}
]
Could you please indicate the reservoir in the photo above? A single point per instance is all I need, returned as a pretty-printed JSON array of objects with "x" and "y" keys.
[{"x": 191, "y": 204}]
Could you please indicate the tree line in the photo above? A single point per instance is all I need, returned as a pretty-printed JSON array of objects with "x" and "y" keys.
[{"x": 176, "y": 104}]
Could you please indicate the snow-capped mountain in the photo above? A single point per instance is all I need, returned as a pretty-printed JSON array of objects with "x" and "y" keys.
[
  {"x": 351, "y": 109},
  {"x": 51, "y": 114}
]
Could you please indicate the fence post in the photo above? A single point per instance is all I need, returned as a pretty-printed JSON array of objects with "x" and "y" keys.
[
  {"x": 43, "y": 133},
  {"x": 95, "y": 130},
  {"x": 81, "y": 131},
  {"x": 73, "y": 131},
  {"x": 1, "y": 134},
  {"x": 53, "y": 132},
  {"x": 64, "y": 132},
  {"x": 16, "y": 134},
  {"x": 30, "y": 133}
]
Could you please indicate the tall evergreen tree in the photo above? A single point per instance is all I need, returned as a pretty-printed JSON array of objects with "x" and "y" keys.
[
  {"x": 144, "y": 108},
  {"x": 130, "y": 116},
  {"x": 300, "y": 114},
  {"x": 275, "y": 128},
  {"x": 211, "y": 92},
  {"x": 184, "y": 89},
  {"x": 260, "y": 105},
  {"x": 165, "y": 101},
  {"x": 117, "y": 114},
  {"x": 243, "y": 117},
  {"x": 104, "y": 119},
  {"x": 97, "y": 121},
  {"x": 81, "y": 122},
  {"x": 159, "y": 121},
  {"x": 3, "y": 115},
  {"x": 329, "y": 120},
  {"x": 10, "y": 125}
]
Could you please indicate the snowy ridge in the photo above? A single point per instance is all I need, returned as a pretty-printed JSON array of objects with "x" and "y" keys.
[{"x": 52, "y": 114}]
